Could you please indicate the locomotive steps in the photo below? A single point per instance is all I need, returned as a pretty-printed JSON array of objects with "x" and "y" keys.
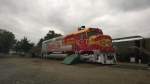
[
  {"x": 68, "y": 59},
  {"x": 74, "y": 58}
]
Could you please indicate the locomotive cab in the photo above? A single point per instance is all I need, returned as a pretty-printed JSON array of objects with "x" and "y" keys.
[
  {"x": 87, "y": 33},
  {"x": 96, "y": 47},
  {"x": 94, "y": 31}
]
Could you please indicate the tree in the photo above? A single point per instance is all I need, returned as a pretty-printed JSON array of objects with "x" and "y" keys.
[
  {"x": 7, "y": 40},
  {"x": 39, "y": 44},
  {"x": 51, "y": 34},
  {"x": 23, "y": 45}
]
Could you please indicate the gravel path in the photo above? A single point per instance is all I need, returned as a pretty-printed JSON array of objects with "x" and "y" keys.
[{"x": 37, "y": 71}]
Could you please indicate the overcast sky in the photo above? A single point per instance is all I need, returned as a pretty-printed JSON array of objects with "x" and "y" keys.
[{"x": 34, "y": 18}]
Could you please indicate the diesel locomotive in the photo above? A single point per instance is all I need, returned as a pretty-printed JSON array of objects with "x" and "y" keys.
[{"x": 90, "y": 43}]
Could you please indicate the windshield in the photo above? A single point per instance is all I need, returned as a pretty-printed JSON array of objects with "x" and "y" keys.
[{"x": 92, "y": 32}]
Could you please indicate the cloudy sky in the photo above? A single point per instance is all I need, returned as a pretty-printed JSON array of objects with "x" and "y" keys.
[{"x": 33, "y": 18}]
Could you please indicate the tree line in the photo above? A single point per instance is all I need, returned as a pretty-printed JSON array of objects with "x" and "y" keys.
[{"x": 8, "y": 43}]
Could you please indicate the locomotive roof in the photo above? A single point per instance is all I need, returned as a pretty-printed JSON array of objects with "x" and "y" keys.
[
  {"x": 53, "y": 39},
  {"x": 81, "y": 31}
]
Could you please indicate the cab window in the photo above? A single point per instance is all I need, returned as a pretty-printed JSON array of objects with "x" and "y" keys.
[{"x": 91, "y": 33}]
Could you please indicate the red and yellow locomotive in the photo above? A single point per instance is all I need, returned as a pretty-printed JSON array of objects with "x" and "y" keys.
[{"x": 90, "y": 43}]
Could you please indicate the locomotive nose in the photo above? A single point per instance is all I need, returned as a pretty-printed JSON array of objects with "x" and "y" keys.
[
  {"x": 105, "y": 43},
  {"x": 104, "y": 40}
]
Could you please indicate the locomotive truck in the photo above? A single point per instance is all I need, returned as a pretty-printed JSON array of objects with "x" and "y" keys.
[{"x": 90, "y": 44}]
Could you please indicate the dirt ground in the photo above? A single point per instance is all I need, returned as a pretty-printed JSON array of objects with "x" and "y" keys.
[{"x": 36, "y": 71}]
